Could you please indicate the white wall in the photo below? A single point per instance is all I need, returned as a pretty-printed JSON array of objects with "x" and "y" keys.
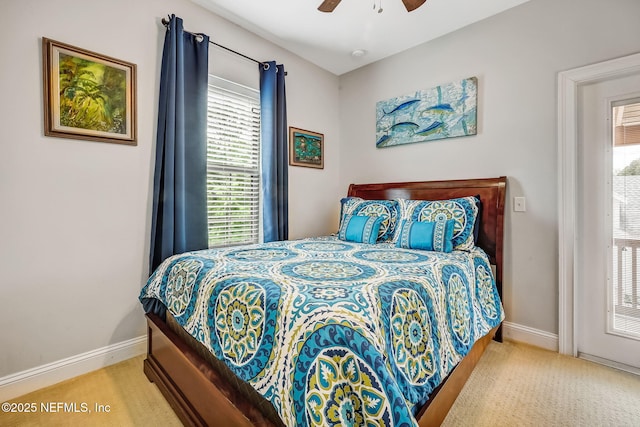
[
  {"x": 516, "y": 56},
  {"x": 75, "y": 215}
]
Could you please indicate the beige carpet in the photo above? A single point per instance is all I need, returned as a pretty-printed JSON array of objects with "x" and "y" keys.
[
  {"x": 513, "y": 385},
  {"x": 132, "y": 400},
  {"x": 520, "y": 385}
]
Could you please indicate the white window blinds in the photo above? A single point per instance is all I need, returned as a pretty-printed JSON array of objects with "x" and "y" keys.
[{"x": 233, "y": 164}]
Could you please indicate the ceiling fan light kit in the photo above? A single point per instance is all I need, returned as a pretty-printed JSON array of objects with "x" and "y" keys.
[{"x": 410, "y": 5}]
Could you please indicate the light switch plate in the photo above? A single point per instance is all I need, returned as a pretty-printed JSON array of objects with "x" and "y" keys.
[{"x": 519, "y": 204}]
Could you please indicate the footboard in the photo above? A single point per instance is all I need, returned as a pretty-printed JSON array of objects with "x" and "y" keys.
[{"x": 197, "y": 394}]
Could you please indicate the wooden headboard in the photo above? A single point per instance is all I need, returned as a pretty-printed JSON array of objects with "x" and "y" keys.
[{"x": 492, "y": 195}]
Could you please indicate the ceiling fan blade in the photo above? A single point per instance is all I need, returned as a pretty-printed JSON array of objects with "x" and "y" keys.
[
  {"x": 329, "y": 5},
  {"x": 413, "y": 4}
]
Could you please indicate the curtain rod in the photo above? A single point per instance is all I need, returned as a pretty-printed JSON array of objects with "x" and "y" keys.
[{"x": 165, "y": 22}]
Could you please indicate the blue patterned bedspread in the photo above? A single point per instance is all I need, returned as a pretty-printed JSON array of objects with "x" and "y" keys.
[{"x": 333, "y": 332}]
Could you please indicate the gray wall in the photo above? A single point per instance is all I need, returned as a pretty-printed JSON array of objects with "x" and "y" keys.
[
  {"x": 516, "y": 56},
  {"x": 75, "y": 215}
]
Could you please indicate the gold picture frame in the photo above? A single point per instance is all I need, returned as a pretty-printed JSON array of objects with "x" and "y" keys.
[
  {"x": 88, "y": 95},
  {"x": 306, "y": 148}
]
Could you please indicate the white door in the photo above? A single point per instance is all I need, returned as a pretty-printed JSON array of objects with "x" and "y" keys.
[{"x": 608, "y": 218}]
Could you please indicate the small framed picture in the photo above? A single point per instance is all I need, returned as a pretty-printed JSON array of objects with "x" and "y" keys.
[
  {"x": 87, "y": 95},
  {"x": 306, "y": 148}
]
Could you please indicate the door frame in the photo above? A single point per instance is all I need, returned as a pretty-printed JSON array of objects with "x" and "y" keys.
[{"x": 568, "y": 84}]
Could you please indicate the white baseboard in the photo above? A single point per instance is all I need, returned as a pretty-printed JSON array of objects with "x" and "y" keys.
[
  {"x": 525, "y": 334},
  {"x": 33, "y": 379},
  {"x": 24, "y": 382}
]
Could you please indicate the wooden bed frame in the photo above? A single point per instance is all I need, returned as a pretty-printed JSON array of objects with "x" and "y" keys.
[{"x": 201, "y": 396}]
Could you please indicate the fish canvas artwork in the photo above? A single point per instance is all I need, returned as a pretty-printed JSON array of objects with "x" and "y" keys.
[{"x": 445, "y": 111}]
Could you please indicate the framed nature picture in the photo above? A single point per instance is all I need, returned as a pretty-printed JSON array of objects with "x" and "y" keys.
[
  {"x": 306, "y": 148},
  {"x": 87, "y": 95}
]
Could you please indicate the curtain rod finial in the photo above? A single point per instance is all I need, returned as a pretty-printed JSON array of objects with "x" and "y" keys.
[{"x": 166, "y": 21}]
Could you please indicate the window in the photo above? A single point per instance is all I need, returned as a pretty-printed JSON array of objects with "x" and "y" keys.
[
  {"x": 623, "y": 290},
  {"x": 233, "y": 163}
]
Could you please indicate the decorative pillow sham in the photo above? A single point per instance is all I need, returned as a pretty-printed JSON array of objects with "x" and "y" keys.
[
  {"x": 388, "y": 209},
  {"x": 463, "y": 211},
  {"x": 429, "y": 236},
  {"x": 360, "y": 228}
]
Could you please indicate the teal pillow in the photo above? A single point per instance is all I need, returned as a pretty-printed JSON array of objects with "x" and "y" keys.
[
  {"x": 386, "y": 208},
  {"x": 360, "y": 228},
  {"x": 428, "y": 235},
  {"x": 463, "y": 210}
]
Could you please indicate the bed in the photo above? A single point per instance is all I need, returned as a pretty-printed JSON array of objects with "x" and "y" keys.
[{"x": 327, "y": 362}]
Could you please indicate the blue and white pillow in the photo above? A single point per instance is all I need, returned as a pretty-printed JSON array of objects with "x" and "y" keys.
[
  {"x": 360, "y": 228},
  {"x": 463, "y": 211},
  {"x": 388, "y": 209},
  {"x": 428, "y": 236}
]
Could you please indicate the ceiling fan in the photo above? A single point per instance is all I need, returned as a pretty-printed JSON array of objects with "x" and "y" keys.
[{"x": 329, "y": 5}]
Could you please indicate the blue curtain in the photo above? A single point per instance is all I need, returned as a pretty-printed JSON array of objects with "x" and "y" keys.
[
  {"x": 179, "y": 221},
  {"x": 273, "y": 130}
]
